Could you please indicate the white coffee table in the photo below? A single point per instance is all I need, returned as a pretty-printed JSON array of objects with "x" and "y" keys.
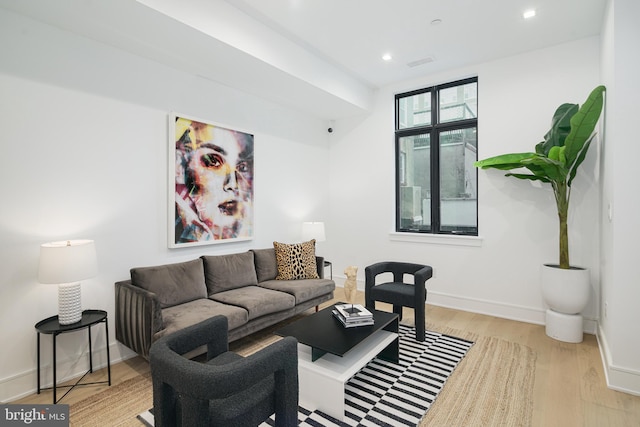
[{"x": 329, "y": 355}]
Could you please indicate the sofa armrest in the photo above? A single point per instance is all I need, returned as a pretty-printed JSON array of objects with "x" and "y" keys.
[
  {"x": 320, "y": 266},
  {"x": 138, "y": 317}
]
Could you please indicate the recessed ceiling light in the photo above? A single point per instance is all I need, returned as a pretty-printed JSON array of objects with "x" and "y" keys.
[
  {"x": 386, "y": 57},
  {"x": 436, "y": 22},
  {"x": 529, "y": 14}
]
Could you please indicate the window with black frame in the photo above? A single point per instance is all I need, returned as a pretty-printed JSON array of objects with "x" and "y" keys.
[{"x": 436, "y": 141}]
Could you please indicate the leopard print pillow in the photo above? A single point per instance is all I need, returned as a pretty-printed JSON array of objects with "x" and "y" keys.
[{"x": 296, "y": 261}]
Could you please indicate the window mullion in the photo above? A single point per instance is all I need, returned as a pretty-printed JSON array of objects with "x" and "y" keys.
[
  {"x": 435, "y": 168},
  {"x": 398, "y": 171}
]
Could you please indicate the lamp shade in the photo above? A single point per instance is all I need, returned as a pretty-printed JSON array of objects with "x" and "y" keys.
[
  {"x": 313, "y": 230},
  {"x": 67, "y": 261}
]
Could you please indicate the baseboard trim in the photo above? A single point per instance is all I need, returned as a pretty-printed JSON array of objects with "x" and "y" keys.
[
  {"x": 25, "y": 383},
  {"x": 618, "y": 378},
  {"x": 535, "y": 315},
  {"x": 487, "y": 307}
]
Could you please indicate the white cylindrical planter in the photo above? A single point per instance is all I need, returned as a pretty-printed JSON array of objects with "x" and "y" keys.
[
  {"x": 566, "y": 292},
  {"x": 564, "y": 327}
]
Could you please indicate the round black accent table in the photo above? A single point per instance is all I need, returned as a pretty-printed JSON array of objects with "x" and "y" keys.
[{"x": 52, "y": 326}]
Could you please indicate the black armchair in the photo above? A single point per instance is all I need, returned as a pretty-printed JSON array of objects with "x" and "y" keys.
[
  {"x": 398, "y": 293},
  {"x": 227, "y": 389}
]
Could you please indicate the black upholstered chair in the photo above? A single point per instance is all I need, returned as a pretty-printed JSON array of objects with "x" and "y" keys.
[
  {"x": 227, "y": 389},
  {"x": 398, "y": 293}
]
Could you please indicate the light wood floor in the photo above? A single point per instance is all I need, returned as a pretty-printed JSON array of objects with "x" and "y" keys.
[{"x": 570, "y": 387}]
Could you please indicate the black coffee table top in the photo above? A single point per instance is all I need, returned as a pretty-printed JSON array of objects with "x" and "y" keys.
[{"x": 324, "y": 333}]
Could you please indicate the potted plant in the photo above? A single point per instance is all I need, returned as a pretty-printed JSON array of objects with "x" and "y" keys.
[{"x": 555, "y": 162}]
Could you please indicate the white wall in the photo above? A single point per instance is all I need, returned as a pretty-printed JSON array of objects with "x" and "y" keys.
[
  {"x": 84, "y": 155},
  {"x": 618, "y": 335},
  {"x": 518, "y": 224}
]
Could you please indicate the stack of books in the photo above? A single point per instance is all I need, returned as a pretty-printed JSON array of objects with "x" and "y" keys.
[{"x": 352, "y": 315}]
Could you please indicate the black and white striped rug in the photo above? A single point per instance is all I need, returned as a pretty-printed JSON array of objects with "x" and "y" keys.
[
  {"x": 396, "y": 394},
  {"x": 391, "y": 394}
]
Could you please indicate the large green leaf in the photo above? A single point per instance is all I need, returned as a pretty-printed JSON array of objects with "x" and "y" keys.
[
  {"x": 504, "y": 161},
  {"x": 583, "y": 123},
  {"x": 579, "y": 160},
  {"x": 557, "y": 153},
  {"x": 528, "y": 177},
  {"x": 543, "y": 166},
  {"x": 560, "y": 128},
  {"x": 537, "y": 170}
]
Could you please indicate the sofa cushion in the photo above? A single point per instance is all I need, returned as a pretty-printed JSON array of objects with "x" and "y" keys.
[
  {"x": 265, "y": 261},
  {"x": 172, "y": 283},
  {"x": 225, "y": 272},
  {"x": 296, "y": 261},
  {"x": 256, "y": 300},
  {"x": 302, "y": 290},
  {"x": 190, "y": 313}
]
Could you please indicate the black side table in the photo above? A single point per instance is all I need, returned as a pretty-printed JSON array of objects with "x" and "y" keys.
[
  {"x": 52, "y": 326},
  {"x": 328, "y": 264}
]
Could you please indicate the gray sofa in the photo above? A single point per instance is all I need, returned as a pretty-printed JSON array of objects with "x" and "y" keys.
[{"x": 159, "y": 300}]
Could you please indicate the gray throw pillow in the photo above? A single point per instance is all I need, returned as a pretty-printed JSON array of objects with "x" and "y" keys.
[
  {"x": 266, "y": 267},
  {"x": 226, "y": 272},
  {"x": 173, "y": 283}
]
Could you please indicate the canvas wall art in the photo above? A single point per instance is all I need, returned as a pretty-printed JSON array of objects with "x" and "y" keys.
[{"x": 210, "y": 183}]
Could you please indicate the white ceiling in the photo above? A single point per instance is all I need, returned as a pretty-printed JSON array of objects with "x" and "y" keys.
[
  {"x": 355, "y": 33},
  {"x": 319, "y": 56}
]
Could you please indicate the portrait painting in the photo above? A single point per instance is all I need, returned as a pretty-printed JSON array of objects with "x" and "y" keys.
[{"x": 210, "y": 183}]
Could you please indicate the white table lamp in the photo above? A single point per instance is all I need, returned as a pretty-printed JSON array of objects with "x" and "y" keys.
[
  {"x": 65, "y": 263},
  {"x": 313, "y": 230}
]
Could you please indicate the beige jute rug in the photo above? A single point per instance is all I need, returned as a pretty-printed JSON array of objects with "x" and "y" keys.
[
  {"x": 117, "y": 406},
  {"x": 492, "y": 386}
]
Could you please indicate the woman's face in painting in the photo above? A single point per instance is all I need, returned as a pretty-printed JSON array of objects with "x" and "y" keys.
[{"x": 221, "y": 171}]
